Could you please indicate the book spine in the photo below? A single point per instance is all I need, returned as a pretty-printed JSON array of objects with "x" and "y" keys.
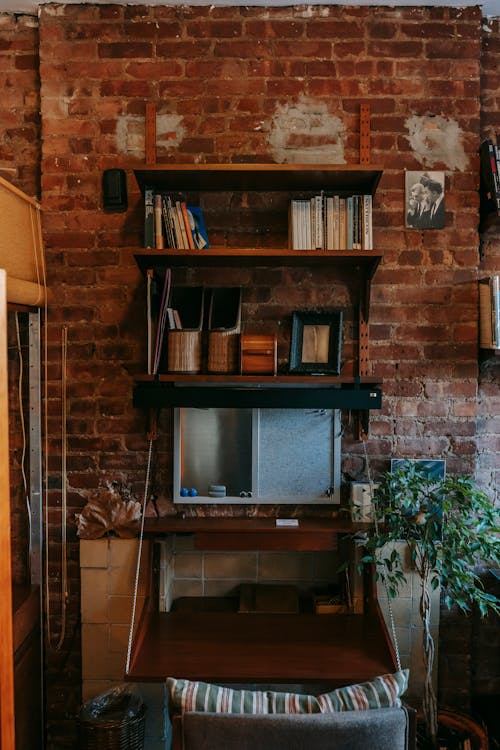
[
  {"x": 495, "y": 311},
  {"x": 167, "y": 223},
  {"x": 486, "y": 314},
  {"x": 149, "y": 218},
  {"x": 175, "y": 221},
  {"x": 149, "y": 313},
  {"x": 180, "y": 219},
  {"x": 187, "y": 226},
  {"x": 497, "y": 168},
  {"x": 330, "y": 226},
  {"x": 318, "y": 222},
  {"x": 349, "y": 221},
  {"x": 158, "y": 219},
  {"x": 294, "y": 225},
  {"x": 342, "y": 224},
  {"x": 336, "y": 222},
  {"x": 367, "y": 223}
]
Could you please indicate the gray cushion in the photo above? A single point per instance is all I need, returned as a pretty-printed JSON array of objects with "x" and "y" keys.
[{"x": 378, "y": 729}]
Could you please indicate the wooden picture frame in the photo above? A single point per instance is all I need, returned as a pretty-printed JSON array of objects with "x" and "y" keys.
[{"x": 316, "y": 342}]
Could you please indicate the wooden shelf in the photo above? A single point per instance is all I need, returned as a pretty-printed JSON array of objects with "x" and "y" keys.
[
  {"x": 366, "y": 261},
  {"x": 254, "y": 648},
  {"x": 359, "y": 393},
  {"x": 280, "y": 391},
  {"x": 342, "y": 178},
  {"x": 255, "y": 533}
]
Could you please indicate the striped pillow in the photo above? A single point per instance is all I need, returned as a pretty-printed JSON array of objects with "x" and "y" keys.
[
  {"x": 202, "y": 696},
  {"x": 381, "y": 692}
]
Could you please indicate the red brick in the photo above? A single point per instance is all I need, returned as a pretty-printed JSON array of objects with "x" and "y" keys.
[{"x": 125, "y": 50}]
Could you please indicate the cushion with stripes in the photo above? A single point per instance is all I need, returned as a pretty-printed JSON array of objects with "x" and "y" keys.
[{"x": 384, "y": 691}]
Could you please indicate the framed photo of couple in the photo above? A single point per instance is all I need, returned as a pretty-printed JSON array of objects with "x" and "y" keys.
[{"x": 424, "y": 200}]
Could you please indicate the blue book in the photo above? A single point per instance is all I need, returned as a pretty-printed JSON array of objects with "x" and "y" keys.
[{"x": 197, "y": 226}]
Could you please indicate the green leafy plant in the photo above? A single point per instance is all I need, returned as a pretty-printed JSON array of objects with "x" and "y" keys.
[{"x": 450, "y": 527}]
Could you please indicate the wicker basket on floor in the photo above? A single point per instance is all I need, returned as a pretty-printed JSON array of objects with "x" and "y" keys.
[{"x": 114, "y": 733}]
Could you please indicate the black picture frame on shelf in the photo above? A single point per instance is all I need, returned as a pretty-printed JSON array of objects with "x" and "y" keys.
[{"x": 316, "y": 342}]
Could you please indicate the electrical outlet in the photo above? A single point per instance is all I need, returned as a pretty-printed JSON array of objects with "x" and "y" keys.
[{"x": 361, "y": 500}]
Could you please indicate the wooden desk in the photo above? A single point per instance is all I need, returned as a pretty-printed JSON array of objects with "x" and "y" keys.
[{"x": 241, "y": 647}]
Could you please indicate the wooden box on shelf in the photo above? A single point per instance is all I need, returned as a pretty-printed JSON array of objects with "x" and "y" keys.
[{"x": 259, "y": 354}]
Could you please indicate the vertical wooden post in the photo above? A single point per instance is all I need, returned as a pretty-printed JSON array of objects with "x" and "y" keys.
[
  {"x": 150, "y": 133},
  {"x": 7, "y": 725},
  {"x": 364, "y": 134}
]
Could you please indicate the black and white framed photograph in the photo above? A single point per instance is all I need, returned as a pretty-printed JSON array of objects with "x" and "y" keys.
[
  {"x": 424, "y": 200},
  {"x": 316, "y": 342}
]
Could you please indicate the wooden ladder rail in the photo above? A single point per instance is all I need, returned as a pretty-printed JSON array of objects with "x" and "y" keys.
[{"x": 7, "y": 715}]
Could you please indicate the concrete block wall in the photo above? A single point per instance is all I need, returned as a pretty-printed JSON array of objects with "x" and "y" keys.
[{"x": 108, "y": 569}]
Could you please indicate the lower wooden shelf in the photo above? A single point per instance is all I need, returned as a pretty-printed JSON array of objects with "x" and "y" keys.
[
  {"x": 275, "y": 391},
  {"x": 238, "y": 647}
]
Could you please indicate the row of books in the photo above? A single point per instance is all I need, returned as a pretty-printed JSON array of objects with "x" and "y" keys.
[
  {"x": 170, "y": 223},
  {"x": 331, "y": 222},
  {"x": 490, "y": 173},
  {"x": 489, "y": 313}
]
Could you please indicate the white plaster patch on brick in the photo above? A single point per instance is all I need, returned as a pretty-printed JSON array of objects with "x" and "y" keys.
[
  {"x": 130, "y": 134},
  {"x": 437, "y": 140},
  {"x": 305, "y": 132}
]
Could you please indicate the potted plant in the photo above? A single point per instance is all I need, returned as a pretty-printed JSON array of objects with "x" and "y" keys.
[{"x": 449, "y": 526}]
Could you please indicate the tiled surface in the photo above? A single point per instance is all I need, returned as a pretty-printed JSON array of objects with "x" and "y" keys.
[
  {"x": 408, "y": 625},
  {"x": 108, "y": 570}
]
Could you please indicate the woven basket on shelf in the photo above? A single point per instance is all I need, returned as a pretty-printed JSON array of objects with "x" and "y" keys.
[
  {"x": 184, "y": 351},
  {"x": 224, "y": 326}
]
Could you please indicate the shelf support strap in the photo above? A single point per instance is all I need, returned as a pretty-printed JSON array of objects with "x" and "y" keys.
[{"x": 139, "y": 554}]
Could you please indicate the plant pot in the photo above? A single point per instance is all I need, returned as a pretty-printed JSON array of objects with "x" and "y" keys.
[{"x": 454, "y": 729}]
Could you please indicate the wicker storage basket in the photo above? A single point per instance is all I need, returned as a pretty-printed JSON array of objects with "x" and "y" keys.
[
  {"x": 185, "y": 344},
  {"x": 113, "y": 728},
  {"x": 224, "y": 326},
  {"x": 184, "y": 351}
]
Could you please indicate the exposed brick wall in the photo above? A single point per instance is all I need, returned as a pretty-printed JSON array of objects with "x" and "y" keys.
[
  {"x": 486, "y": 640},
  {"x": 469, "y": 664},
  {"x": 19, "y": 82},
  {"x": 224, "y": 81},
  {"x": 489, "y": 392}
]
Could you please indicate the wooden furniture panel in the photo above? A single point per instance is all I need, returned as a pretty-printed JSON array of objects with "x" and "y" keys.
[
  {"x": 253, "y": 648},
  {"x": 231, "y": 646}
]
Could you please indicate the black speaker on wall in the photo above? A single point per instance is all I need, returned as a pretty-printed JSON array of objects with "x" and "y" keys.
[{"x": 114, "y": 190}]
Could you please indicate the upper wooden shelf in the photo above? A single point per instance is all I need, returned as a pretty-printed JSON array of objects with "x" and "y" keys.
[
  {"x": 340, "y": 178},
  {"x": 366, "y": 260}
]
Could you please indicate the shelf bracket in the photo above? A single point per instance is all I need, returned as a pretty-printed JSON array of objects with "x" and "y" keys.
[
  {"x": 362, "y": 425},
  {"x": 364, "y": 134},
  {"x": 152, "y": 433},
  {"x": 363, "y": 342},
  {"x": 150, "y": 133}
]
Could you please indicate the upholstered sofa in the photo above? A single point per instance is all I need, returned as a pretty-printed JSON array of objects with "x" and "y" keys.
[
  {"x": 378, "y": 729},
  {"x": 368, "y": 716}
]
